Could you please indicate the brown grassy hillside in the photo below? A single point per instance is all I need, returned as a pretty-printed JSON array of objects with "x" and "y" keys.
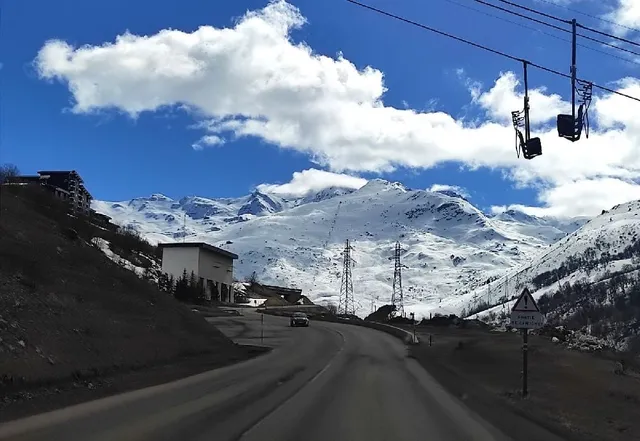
[{"x": 67, "y": 311}]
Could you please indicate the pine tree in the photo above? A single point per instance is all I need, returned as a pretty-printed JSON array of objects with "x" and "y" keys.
[
  {"x": 182, "y": 287},
  {"x": 200, "y": 299},
  {"x": 162, "y": 281},
  {"x": 193, "y": 287}
]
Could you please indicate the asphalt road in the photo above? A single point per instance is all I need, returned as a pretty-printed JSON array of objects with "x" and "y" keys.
[{"x": 325, "y": 382}]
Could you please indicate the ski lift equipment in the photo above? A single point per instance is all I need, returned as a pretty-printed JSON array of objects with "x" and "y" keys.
[
  {"x": 570, "y": 126},
  {"x": 530, "y": 147}
]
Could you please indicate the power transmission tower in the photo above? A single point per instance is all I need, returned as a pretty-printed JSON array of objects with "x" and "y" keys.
[
  {"x": 347, "y": 303},
  {"x": 397, "y": 297}
]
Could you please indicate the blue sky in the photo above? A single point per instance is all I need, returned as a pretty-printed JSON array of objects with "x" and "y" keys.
[{"x": 122, "y": 157}]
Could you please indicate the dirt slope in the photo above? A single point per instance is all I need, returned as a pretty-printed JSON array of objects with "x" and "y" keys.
[
  {"x": 68, "y": 312},
  {"x": 577, "y": 395}
]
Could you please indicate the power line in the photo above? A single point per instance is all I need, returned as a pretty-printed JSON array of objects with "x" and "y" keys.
[
  {"x": 543, "y": 14},
  {"x": 554, "y": 26},
  {"x": 568, "y": 22},
  {"x": 604, "y": 20},
  {"x": 485, "y": 48},
  {"x": 595, "y": 31},
  {"x": 548, "y": 34}
]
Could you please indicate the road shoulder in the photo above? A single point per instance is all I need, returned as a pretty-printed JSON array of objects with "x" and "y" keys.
[{"x": 27, "y": 402}]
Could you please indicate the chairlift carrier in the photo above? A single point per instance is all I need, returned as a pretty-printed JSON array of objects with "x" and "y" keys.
[
  {"x": 570, "y": 126},
  {"x": 530, "y": 147}
]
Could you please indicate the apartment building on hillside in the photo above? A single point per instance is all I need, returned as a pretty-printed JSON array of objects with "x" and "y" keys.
[{"x": 64, "y": 184}]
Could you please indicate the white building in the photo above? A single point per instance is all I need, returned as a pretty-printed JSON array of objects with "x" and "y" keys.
[{"x": 213, "y": 265}]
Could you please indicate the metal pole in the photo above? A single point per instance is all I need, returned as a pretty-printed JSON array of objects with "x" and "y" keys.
[
  {"x": 525, "y": 351},
  {"x": 574, "y": 72},
  {"x": 429, "y": 339},
  {"x": 413, "y": 319},
  {"x": 527, "y": 129},
  {"x": 262, "y": 328}
]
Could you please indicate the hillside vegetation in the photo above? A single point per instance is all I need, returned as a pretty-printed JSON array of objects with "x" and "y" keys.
[{"x": 67, "y": 312}]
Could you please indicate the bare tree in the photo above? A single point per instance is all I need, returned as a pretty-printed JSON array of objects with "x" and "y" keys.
[
  {"x": 253, "y": 278},
  {"x": 332, "y": 308},
  {"x": 8, "y": 171}
]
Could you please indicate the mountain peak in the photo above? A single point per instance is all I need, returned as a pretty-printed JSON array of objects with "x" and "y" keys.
[
  {"x": 159, "y": 197},
  {"x": 260, "y": 203},
  {"x": 377, "y": 185},
  {"x": 451, "y": 193}
]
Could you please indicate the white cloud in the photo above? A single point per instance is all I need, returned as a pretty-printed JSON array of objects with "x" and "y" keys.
[
  {"x": 253, "y": 80},
  {"x": 313, "y": 180},
  {"x": 584, "y": 197},
  {"x": 208, "y": 141},
  {"x": 444, "y": 187},
  {"x": 497, "y": 209},
  {"x": 501, "y": 100},
  {"x": 626, "y": 13}
]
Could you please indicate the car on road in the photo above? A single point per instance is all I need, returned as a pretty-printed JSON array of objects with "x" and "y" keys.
[{"x": 299, "y": 319}]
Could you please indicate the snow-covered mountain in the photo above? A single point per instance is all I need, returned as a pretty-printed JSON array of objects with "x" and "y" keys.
[
  {"x": 589, "y": 280},
  {"x": 451, "y": 247}
]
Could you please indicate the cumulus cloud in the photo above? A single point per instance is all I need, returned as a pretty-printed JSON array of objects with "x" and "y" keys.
[
  {"x": 313, "y": 180},
  {"x": 444, "y": 187},
  {"x": 585, "y": 197},
  {"x": 253, "y": 80},
  {"x": 626, "y": 13},
  {"x": 502, "y": 99},
  {"x": 208, "y": 141}
]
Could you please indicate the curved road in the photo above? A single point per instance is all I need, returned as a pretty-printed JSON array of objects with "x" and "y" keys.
[{"x": 325, "y": 382}]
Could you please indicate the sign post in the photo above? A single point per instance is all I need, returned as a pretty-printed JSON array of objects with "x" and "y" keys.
[
  {"x": 413, "y": 320},
  {"x": 526, "y": 315}
]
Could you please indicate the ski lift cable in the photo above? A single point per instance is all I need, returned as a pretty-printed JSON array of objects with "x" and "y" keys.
[
  {"x": 604, "y": 43},
  {"x": 548, "y": 34},
  {"x": 604, "y": 20},
  {"x": 553, "y": 17},
  {"x": 488, "y": 49}
]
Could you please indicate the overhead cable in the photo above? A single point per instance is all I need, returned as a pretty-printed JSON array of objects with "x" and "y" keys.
[
  {"x": 485, "y": 48},
  {"x": 604, "y": 20},
  {"x": 526, "y": 8},
  {"x": 548, "y": 34},
  {"x": 604, "y": 43}
]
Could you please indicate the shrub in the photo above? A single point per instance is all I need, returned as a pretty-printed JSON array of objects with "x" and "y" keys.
[{"x": 8, "y": 171}]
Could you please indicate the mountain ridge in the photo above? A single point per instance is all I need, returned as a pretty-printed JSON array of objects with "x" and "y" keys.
[{"x": 452, "y": 246}]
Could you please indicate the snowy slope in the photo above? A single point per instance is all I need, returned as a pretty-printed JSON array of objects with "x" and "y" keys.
[
  {"x": 451, "y": 247},
  {"x": 588, "y": 254}
]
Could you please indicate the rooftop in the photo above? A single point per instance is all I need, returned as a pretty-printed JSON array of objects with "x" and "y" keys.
[{"x": 201, "y": 245}]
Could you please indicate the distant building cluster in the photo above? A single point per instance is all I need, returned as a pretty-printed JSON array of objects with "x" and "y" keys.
[{"x": 212, "y": 266}]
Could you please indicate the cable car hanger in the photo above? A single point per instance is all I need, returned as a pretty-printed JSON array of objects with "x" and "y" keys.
[
  {"x": 530, "y": 147},
  {"x": 570, "y": 126}
]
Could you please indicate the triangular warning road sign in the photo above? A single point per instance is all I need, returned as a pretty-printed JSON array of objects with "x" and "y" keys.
[{"x": 525, "y": 303}]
